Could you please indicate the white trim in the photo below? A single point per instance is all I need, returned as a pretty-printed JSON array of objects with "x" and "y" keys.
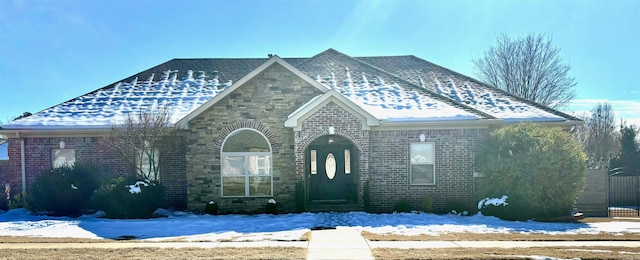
[
  {"x": 317, "y": 103},
  {"x": 434, "y": 164},
  {"x": 61, "y": 132},
  {"x": 246, "y": 175},
  {"x": 275, "y": 59}
]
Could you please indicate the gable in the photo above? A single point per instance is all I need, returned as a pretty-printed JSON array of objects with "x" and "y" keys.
[
  {"x": 270, "y": 96},
  {"x": 274, "y": 61},
  {"x": 296, "y": 118}
]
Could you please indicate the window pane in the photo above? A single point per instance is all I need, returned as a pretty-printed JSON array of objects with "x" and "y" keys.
[
  {"x": 422, "y": 153},
  {"x": 259, "y": 165},
  {"x": 61, "y": 157},
  {"x": 330, "y": 166},
  {"x": 260, "y": 186},
  {"x": 314, "y": 162},
  {"x": 232, "y": 165},
  {"x": 422, "y": 174},
  {"x": 145, "y": 166},
  {"x": 246, "y": 141},
  {"x": 233, "y": 186},
  {"x": 347, "y": 161}
]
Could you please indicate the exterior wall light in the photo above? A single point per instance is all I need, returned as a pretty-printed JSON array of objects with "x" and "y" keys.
[
  {"x": 422, "y": 137},
  {"x": 332, "y": 130},
  {"x": 61, "y": 144}
]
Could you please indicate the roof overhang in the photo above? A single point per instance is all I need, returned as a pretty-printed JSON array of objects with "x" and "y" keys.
[
  {"x": 438, "y": 124},
  {"x": 308, "y": 109},
  {"x": 273, "y": 60},
  {"x": 55, "y": 132}
]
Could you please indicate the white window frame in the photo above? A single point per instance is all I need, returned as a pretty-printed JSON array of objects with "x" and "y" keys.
[
  {"x": 67, "y": 161},
  {"x": 432, "y": 160},
  {"x": 267, "y": 166}
]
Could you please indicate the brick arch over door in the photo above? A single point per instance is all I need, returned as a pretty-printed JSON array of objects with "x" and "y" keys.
[
  {"x": 305, "y": 144},
  {"x": 275, "y": 146}
]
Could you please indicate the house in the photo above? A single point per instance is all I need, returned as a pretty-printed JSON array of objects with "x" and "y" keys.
[{"x": 333, "y": 131}]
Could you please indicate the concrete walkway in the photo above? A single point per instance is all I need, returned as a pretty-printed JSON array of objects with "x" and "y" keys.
[{"x": 339, "y": 243}]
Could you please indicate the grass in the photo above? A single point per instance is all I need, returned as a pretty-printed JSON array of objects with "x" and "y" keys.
[
  {"x": 509, "y": 253},
  {"x": 379, "y": 253},
  {"x": 503, "y": 237},
  {"x": 156, "y": 253},
  {"x": 515, "y": 236}
]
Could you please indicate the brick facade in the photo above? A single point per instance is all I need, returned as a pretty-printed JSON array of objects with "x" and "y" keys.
[
  {"x": 454, "y": 155},
  {"x": 262, "y": 104},
  {"x": 38, "y": 157},
  {"x": 93, "y": 151}
]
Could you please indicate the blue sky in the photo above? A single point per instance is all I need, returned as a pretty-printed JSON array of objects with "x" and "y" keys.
[{"x": 54, "y": 50}]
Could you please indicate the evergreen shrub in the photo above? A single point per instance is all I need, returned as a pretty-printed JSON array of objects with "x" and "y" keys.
[
  {"x": 541, "y": 169},
  {"x": 129, "y": 197},
  {"x": 63, "y": 191},
  {"x": 427, "y": 203},
  {"x": 402, "y": 205}
]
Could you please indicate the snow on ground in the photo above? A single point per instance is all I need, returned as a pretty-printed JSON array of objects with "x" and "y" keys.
[{"x": 286, "y": 227}]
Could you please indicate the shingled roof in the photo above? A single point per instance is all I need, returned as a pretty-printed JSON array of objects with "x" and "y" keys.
[{"x": 392, "y": 88}]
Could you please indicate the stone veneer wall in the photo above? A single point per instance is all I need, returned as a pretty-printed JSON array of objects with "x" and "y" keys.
[
  {"x": 346, "y": 125},
  {"x": 454, "y": 167},
  {"x": 263, "y": 104},
  {"x": 91, "y": 150}
]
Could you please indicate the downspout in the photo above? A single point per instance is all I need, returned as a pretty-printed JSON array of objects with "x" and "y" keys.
[{"x": 23, "y": 168}]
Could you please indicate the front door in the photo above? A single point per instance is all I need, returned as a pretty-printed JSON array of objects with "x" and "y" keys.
[{"x": 331, "y": 174}]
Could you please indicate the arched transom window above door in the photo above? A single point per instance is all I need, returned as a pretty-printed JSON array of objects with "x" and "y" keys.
[{"x": 246, "y": 165}]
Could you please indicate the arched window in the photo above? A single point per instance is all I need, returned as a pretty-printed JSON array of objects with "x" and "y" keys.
[{"x": 246, "y": 165}]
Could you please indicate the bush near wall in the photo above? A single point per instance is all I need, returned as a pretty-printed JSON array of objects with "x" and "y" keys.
[
  {"x": 541, "y": 170},
  {"x": 63, "y": 191},
  {"x": 129, "y": 197}
]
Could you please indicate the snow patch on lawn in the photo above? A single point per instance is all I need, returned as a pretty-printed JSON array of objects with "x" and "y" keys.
[{"x": 283, "y": 227}]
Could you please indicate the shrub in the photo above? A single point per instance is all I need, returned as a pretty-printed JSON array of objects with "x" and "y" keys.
[
  {"x": 461, "y": 207},
  {"x": 129, "y": 197},
  {"x": 63, "y": 191},
  {"x": 541, "y": 170},
  {"x": 402, "y": 205},
  {"x": 17, "y": 201},
  {"x": 427, "y": 203},
  {"x": 5, "y": 198}
]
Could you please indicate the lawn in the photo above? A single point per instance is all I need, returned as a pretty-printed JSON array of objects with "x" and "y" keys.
[{"x": 19, "y": 226}]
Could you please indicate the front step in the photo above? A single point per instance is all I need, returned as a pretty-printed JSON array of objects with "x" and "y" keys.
[{"x": 343, "y": 207}]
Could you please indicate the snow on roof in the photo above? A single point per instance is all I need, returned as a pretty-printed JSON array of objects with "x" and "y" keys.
[
  {"x": 389, "y": 101},
  {"x": 491, "y": 102},
  {"x": 108, "y": 106},
  {"x": 415, "y": 91}
]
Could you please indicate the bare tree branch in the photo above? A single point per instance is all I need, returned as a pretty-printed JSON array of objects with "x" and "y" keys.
[
  {"x": 599, "y": 136},
  {"x": 140, "y": 138},
  {"x": 529, "y": 67}
]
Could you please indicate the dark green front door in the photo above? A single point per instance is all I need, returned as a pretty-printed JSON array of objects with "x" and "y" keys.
[{"x": 330, "y": 174}]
